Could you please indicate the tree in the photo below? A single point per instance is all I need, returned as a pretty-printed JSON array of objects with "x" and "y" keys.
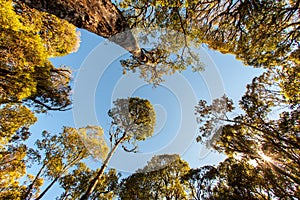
[
  {"x": 234, "y": 179},
  {"x": 29, "y": 38},
  {"x": 105, "y": 19},
  {"x": 28, "y": 82},
  {"x": 133, "y": 120},
  {"x": 170, "y": 52},
  {"x": 12, "y": 168},
  {"x": 270, "y": 142},
  {"x": 74, "y": 183},
  {"x": 201, "y": 181},
  {"x": 100, "y": 17},
  {"x": 56, "y": 154},
  {"x": 161, "y": 178},
  {"x": 260, "y": 33},
  {"x": 15, "y": 120},
  {"x": 57, "y": 159},
  {"x": 240, "y": 179}
]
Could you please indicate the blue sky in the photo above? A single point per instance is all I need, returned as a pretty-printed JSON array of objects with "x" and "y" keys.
[{"x": 174, "y": 100}]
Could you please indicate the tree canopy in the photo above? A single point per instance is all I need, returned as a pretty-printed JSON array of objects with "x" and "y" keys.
[
  {"x": 260, "y": 33},
  {"x": 269, "y": 141},
  {"x": 133, "y": 119},
  {"x": 161, "y": 178},
  {"x": 29, "y": 38},
  {"x": 261, "y": 142}
]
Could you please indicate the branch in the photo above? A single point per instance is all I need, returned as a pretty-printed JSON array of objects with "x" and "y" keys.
[{"x": 62, "y": 108}]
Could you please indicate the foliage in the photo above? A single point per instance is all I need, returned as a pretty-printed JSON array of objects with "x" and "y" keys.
[
  {"x": 201, "y": 181},
  {"x": 268, "y": 140},
  {"x": 161, "y": 178},
  {"x": 29, "y": 82},
  {"x": 133, "y": 119},
  {"x": 74, "y": 184},
  {"x": 28, "y": 39},
  {"x": 15, "y": 120},
  {"x": 260, "y": 33},
  {"x": 170, "y": 52},
  {"x": 234, "y": 179},
  {"x": 57, "y": 154},
  {"x": 12, "y": 168},
  {"x": 53, "y": 158},
  {"x": 262, "y": 144}
]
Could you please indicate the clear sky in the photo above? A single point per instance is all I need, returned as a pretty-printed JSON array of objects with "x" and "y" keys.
[{"x": 98, "y": 80}]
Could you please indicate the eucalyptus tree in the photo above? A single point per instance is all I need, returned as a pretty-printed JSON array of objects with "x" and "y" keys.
[
  {"x": 133, "y": 120},
  {"x": 28, "y": 39},
  {"x": 74, "y": 183},
  {"x": 161, "y": 178},
  {"x": 266, "y": 134},
  {"x": 235, "y": 179},
  {"x": 260, "y": 33}
]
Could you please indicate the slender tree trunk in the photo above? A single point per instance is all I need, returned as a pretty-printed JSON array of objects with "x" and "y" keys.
[
  {"x": 101, "y": 17},
  {"x": 48, "y": 187},
  {"x": 94, "y": 182},
  {"x": 27, "y": 195}
]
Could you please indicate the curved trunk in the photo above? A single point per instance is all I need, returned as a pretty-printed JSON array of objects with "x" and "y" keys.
[{"x": 101, "y": 17}]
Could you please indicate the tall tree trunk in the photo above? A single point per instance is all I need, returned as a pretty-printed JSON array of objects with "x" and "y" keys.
[
  {"x": 92, "y": 185},
  {"x": 101, "y": 17},
  {"x": 29, "y": 189},
  {"x": 48, "y": 187}
]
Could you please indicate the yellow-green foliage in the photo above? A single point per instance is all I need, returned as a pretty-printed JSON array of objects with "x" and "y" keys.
[
  {"x": 12, "y": 169},
  {"x": 12, "y": 118},
  {"x": 28, "y": 39}
]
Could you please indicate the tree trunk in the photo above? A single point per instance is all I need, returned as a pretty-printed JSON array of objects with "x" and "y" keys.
[
  {"x": 101, "y": 17},
  {"x": 29, "y": 189},
  {"x": 94, "y": 182},
  {"x": 48, "y": 187}
]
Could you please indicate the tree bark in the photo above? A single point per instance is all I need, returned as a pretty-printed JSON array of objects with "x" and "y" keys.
[{"x": 101, "y": 17}]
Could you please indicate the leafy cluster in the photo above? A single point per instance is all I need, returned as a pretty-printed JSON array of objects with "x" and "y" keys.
[
  {"x": 133, "y": 119},
  {"x": 265, "y": 135},
  {"x": 260, "y": 33},
  {"x": 28, "y": 39}
]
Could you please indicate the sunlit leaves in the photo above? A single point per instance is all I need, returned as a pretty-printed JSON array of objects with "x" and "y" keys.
[
  {"x": 13, "y": 118},
  {"x": 12, "y": 168},
  {"x": 74, "y": 183},
  {"x": 265, "y": 135},
  {"x": 161, "y": 178},
  {"x": 261, "y": 34},
  {"x": 28, "y": 39},
  {"x": 57, "y": 154},
  {"x": 50, "y": 29},
  {"x": 93, "y": 139},
  {"x": 133, "y": 119}
]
